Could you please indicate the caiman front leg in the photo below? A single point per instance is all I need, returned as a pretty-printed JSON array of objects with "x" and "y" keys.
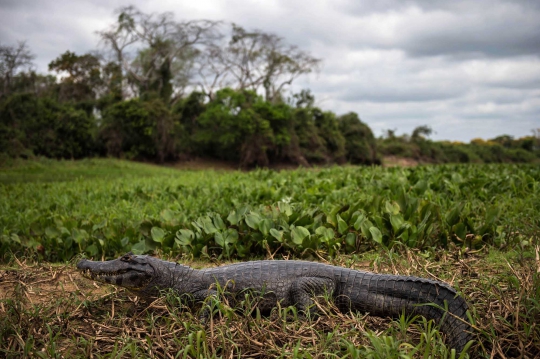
[{"x": 303, "y": 290}]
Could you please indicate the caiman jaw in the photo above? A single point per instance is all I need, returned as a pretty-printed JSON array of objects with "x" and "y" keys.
[
  {"x": 117, "y": 272},
  {"x": 109, "y": 277}
]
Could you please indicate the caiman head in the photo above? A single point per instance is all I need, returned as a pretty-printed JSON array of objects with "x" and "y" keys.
[{"x": 140, "y": 274}]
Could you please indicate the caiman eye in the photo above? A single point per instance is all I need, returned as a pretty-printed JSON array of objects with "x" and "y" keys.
[{"x": 127, "y": 257}]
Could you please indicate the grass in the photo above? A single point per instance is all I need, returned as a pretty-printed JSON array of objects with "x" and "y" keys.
[
  {"x": 44, "y": 170},
  {"x": 48, "y": 310}
]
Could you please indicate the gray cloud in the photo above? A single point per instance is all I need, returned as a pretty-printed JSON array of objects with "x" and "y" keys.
[{"x": 466, "y": 68}]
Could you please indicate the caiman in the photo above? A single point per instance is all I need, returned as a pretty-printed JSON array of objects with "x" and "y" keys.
[{"x": 292, "y": 282}]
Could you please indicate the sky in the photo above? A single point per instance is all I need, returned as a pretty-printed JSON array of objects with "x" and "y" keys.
[{"x": 468, "y": 69}]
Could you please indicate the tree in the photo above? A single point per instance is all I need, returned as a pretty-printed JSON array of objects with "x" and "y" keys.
[
  {"x": 359, "y": 140},
  {"x": 255, "y": 60},
  {"x": 139, "y": 129},
  {"x": 44, "y": 127},
  {"x": 304, "y": 99},
  {"x": 420, "y": 132},
  {"x": 328, "y": 127},
  {"x": 306, "y": 145},
  {"x": 82, "y": 76},
  {"x": 188, "y": 110},
  {"x": 13, "y": 59},
  {"x": 240, "y": 126},
  {"x": 162, "y": 50}
]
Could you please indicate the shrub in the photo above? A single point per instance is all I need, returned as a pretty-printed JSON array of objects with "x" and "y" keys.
[
  {"x": 359, "y": 140},
  {"x": 139, "y": 129}
]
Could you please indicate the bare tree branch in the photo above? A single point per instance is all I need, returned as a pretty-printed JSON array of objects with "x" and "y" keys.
[{"x": 12, "y": 60}]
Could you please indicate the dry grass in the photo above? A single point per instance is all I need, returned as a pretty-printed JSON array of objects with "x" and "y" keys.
[{"x": 50, "y": 311}]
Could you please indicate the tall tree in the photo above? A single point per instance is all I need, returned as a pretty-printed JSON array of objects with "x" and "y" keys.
[
  {"x": 12, "y": 60},
  {"x": 156, "y": 52},
  {"x": 81, "y": 80},
  {"x": 256, "y": 60}
]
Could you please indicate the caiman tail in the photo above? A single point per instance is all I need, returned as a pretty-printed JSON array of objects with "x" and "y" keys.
[{"x": 391, "y": 295}]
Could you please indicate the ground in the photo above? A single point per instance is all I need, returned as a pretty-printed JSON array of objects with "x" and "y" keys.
[{"x": 50, "y": 310}]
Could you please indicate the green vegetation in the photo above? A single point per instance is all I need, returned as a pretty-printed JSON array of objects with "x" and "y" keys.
[
  {"x": 388, "y": 220},
  {"x": 174, "y": 90},
  {"x": 502, "y": 149},
  {"x": 106, "y": 207}
]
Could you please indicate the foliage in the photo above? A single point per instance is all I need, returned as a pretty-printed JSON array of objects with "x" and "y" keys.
[
  {"x": 41, "y": 126},
  {"x": 498, "y": 150},
  {"x": 13, "y": 60},
  {"x": 139, "y": 129},
  {"x": 254, "y": 60},
  {"x": 83, "y": 78},
  {"x": 359, "y": 140},
  {"x": 304, "y": 212}
]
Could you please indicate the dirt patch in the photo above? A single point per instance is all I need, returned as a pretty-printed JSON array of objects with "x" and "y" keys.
[
  {"x": 394, "y": 161},
  {"x": 67, "y": 315},
  {"x": 38, "y": 284},
  {"x": 205, "y": 164}
]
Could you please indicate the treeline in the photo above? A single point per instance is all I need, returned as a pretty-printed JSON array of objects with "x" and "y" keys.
[
  {"x": 502, "y": 149},
  {"x": 235, "y": 125},
  {"x": 164, "y": 90}
]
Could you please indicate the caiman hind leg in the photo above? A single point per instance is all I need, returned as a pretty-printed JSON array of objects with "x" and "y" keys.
[
  {"x": 304, "y": 289},
  {"x": 202, "y": 296}
]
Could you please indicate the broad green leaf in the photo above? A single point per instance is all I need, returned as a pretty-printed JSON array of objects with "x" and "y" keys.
[
  {"x": 392, "y": 207},
  {"x": 206, "y": 224},
  {"x": 342, "y": 225},
  {"x": 15, "y": 238},
  {"x": 252, "y": 220},
  {"x": 93, "y": 250},
  {"x": 421, "y": 186},
  {"x": 99, "y": 225},
  {"x": 234, "y": 218},
  {"x": 326, "y": 234},
  {"x": 227, "y": 237},
  {"x": 79, "y": 236},
  {"x": 231, "y": 236},
  {"x": 52, "y": 232},
  {"x": 137, "y": 248},
  {"x": 276, "y": 234},
  {"x": 264, "y": 226},
  {"x": 218, "y": 222},
  {"x": 298, "y": 234},
  {"x": 219, "y": 239},
  {"x": 376, "y": 234},
  {"x": 460, "y": 230},
  {"x": 452, "y": 216},
  {"x": 184, "y": 237},
  {"x": 366, "y": 225},
  {"x": 396, "y": 221},
  {"x": 350, "y": 239},
  {"x": 158, "y": 234},
  {"x": 285, "y": 208},
  {"x": 358, "y": 223}
]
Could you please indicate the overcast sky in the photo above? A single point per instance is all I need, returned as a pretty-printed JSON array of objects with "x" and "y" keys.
[{"x": 466, "y": 68}]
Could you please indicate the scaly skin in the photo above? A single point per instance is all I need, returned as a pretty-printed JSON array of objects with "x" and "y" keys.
[{"x": 294, "y": 283}]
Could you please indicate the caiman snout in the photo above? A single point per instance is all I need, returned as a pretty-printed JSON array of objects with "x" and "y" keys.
[
  {"x": 125, "y": 272},
  {"x": 82, "y": 264}
]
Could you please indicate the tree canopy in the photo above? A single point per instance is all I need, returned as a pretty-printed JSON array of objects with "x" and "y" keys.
[{"x": 161, "y": 89}]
